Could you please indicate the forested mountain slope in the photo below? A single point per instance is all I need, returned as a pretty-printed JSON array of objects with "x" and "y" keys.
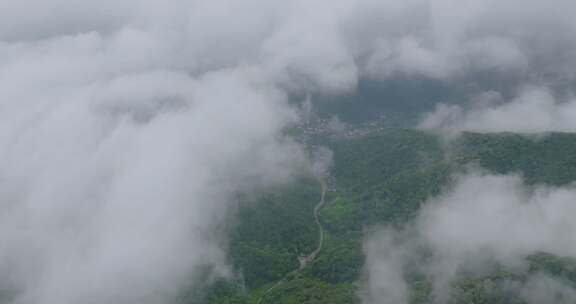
[{"x": 381, "y": 179}]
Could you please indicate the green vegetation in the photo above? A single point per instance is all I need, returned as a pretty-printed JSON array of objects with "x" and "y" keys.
[
  {"x": 503, "y": 286},
  {"x": 273, "y": 231},
  {"x": 381, "y": 180},
  {"x": 548, "y": 160},
  {"x": 304, "y": 289},
  {"x": 340, "y": 261}
]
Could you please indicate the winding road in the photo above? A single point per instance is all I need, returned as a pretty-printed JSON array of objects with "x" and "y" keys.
[
  {"x": 305, "y": 259},
  {"x": 308, "y": 258}
]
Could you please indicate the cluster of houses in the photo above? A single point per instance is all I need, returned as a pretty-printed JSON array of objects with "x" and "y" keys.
[
  {"x": 332, "y": 127},
  {"x": 330, "y": 182},
  {"x": 315, "y": 127}
]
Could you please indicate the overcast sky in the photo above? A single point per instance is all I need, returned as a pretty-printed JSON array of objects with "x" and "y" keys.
[{"x": 126, "y": 126}]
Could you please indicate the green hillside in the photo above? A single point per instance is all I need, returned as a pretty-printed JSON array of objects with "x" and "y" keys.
[{"x": 380, "y": 179}]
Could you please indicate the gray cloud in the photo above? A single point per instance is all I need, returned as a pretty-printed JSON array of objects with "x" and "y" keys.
[
  {"x": 126, "y": 126},
  {"x": 322, "y": 160},
  {"x": 533, "y": 110},
  {"x": 120, "y": 157},
  {"x": 99, "y": 207},
  {"x": 454, "y": 39},
  {"x": 466, "y": 228}
]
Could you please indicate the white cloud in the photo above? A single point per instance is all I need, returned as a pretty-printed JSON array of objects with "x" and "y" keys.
[
  {"x": 125, "y": 126},
  {"x": 534, "y": 110},
  {"x": 482, "y": 218}
]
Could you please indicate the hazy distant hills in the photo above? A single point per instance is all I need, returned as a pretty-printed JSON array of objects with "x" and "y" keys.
[{"x": 404, "y": 100}]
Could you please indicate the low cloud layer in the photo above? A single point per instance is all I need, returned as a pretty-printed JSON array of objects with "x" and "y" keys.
[
  {"x": 481, "y": 220},
  {"x": 127, "y": 126},
  {"x": 121, "y": 153},
  {"x": 118, "y": 195},
  {"x": 533, "y": 110}
]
